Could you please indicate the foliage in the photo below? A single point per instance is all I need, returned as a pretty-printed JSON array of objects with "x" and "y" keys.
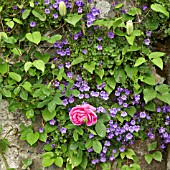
[{"x": 105, "y": 63}]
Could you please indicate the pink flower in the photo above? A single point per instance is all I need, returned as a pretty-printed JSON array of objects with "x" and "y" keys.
[{"x": 83, "y": 114}]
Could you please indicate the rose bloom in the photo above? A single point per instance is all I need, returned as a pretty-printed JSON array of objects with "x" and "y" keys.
[{"x": 83, "y": 114}]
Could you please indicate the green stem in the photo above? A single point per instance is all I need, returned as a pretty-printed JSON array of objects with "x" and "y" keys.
[{"x": 4, "y": 159}]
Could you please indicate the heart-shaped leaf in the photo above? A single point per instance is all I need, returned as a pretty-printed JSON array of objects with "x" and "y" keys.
[
  {"x": 35, "y": 37},
  {"x": 32, "y": 138}
]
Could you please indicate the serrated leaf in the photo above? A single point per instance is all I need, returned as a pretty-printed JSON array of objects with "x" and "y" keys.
[
  {"x": 15, "y": 76},
  {"x": 39, "y": 64}
]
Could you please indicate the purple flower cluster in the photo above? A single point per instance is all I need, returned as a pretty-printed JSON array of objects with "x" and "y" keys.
[
  {"x": 80, "y": 5},
  {"x": 92, "y": 16}
]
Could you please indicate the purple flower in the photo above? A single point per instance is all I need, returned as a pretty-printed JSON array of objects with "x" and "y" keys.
[
  {"x": 144, "y": 7},
  {"x": 147, "y": 41},
  {"x": 129, "y": 136},
  {"x": 123, "y": 11},
  {"x": 95, "y": 161},
  {"x": 122, "y": 149},
  {"x": 104, "y": 149},
  {"x": 100, "y": 109},
  {"x": 68, "y": 65},
  {"x": 32, "y": 24},
  {"x": 162, "y": 130},
  {"x": 148, "y": 33},
  {"x": 111, "y": 158},
  {"x": 47, "y": 11},
  {"x": 65, "y": 102},
  {"x": 81, "y": 96},
  {"x": 84, "y": 51},
  {"x": 70, "y": 75},
  {"x": 142, "y": 114},
  {"x": 15, "y": 7},
  {"x": 60, "y": 66},
  {"x": 110, "y": 34},
  {"x": 86, "y": 96},
  {"x": 79, "y": 3},
  {"x": 36, "y": 3},
  {"x": 80, "y": 10},
  {"x": 107, "y": 143},
  {"x": 99, "y": 47},
  {"x": 99, "y": 38},
  {"x": 91, "y": 135},
  {"x": 114, "y": 151},
  {"x": 103, "y": 159},
  {"x": 158, "y": 109},
  {"x": 123, "y": 114},
  {"x": 55, "y": 16},
  {"x": 63, "y": 130},
  {"x": 46, "y": 2},
  {"x": 52, "y": 122},
  {"x": 90, "y": 150},
  {"x": 41, "y": 130},
  {"x": 71, "y": 99}
]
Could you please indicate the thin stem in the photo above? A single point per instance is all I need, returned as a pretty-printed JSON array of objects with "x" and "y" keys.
[
  {"x": 4, "y": 159},
  {"x": 2, "y": 24}
]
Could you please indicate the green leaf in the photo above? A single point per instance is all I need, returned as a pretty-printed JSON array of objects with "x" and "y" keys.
[
  {"x": 111, "y": 82},
  {"x": 18, "y": 21},
  {"x": 89, "y": 143},
  {"x": 75, "y": 136},
  {"x": 26, "y": 163},
  {"x": 39, "y": 64},
  {"x": 40, "y": 14},
  {"x": 26, "y": 13},
  {"x": 152, "y": 146},
  {"x": 104, "y": 118},
  {"x": 148, "y": 158},
  {"x": 100, "y": 72},
  {"x": 106, "y": 166},
  {"x": 30, "y": 113},
  {"x": 32, "y": 138},
  {"x": 15, "y": 76},
  {"x": 100, "y": 129},
  {"x": 27, "y": 86},
  {"x": 149, "y": 94},
  {"x": 120, "y": 75},
  {"x": 43, "y": 137},
  {"x": 54, "y": 38},
  {"x": 75, "y": 93},
  {"x": 164, "y": 97},
  {"x": 47, "y": 115},
  {"x": 90, "y": 66},
  {"x": 139, "y": 61},
  {"x": 10, "y": 24},
  {"x": 155, "y": 55},
  {"x": 77, "y": 60},
  {"x": 160, "y": 8},
  {"x": 24, "y": 94},
  {"x": 6, "y": 92},
  {"x": 130, "y": 39},
  {"x": 4, "y": 68},
  {"x": 157, "y": 156},
  {"x": 97, "y": 146},
  {"x": 73, "y": 19},
  {"x": 47, "y": 154},
  {"x": 162, "y": 88},
  {"x": 77, "y": 159},
  {"x": 84, "y": 163},
  {"x": 79, "y": 130},
  {"x": 150, "y": 106},
  {"x": 44, "y": 57},
  {"x": 46, "y": 162},
  {"x": 35, "y": 37},
  {"x": 134, "y": 11},
  {"x": 58, "y": 161},
  {"x": 27, "y": 66},
  {"x": 131, "y": 111},
  {"x": 158, "y": 62},
  {"x": 149, "y": 80},
  {"x": 131, "y": 71},
  {"x": 52, "y": 106}
]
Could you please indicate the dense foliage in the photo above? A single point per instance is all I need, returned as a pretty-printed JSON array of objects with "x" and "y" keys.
[{"x": 90, "y": 81}]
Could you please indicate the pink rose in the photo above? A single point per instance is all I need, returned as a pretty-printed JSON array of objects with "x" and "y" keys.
[{"x": 83, "y": 114}]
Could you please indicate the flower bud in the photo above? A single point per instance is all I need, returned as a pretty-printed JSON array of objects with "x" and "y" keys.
[
  {"x": 62, "y": 9},
  {"x": 129, "y": 27}
]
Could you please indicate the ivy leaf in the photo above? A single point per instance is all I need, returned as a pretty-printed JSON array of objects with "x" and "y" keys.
[
  {"x": 100, "y": 129},
  {"x": 148, "y": 158},
  {"x": 58, "y": 161},
  {"x": 32, "y": 138},
  {"x": 160, "y": 8},
  {"x": 157, "y": 156},
  {"x": 152, "y": 146},
  {"x": 54, "y": 38},
  {"x": 15, "y": 76},
  {"x": 77, "y": 60},
  {"x": 26, "y": 13},
  {"x": 111, "y": 82},
  {"x": 149, "y": 80},
  {"x": 97, "y": 146},
  {"x": 139, "y": 61},
  {"x": 149, "y": 94},
  {"x": 73, "y": 19},
  {"x": 164, "y": 97},
  {"x": 156, "y": 55},
  {"x": 100, "y": 72},
  {"x": 46, "y": 162},
  {"x": 158, "y": 62},
  {"x": 43, "y": 137},
  {"x": 130, "y": 39},
  {"x": 47, "y": 115},
  {"x": 40, "y": 14},
  {"x": 89, "y": 67},
  {"x": 39, "y": 64},
  {"x": 27, "y": 66},
  {"x": 34, "y": 37},
  {"x": 131, "y": 111},
  {"x": 10, "y": 24}
]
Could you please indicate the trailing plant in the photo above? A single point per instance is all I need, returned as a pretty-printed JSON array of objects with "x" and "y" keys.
[{"x": 90, "y": 81}]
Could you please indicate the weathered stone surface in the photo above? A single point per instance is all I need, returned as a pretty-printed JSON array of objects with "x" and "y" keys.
[{"x": 168, "y": 158}]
